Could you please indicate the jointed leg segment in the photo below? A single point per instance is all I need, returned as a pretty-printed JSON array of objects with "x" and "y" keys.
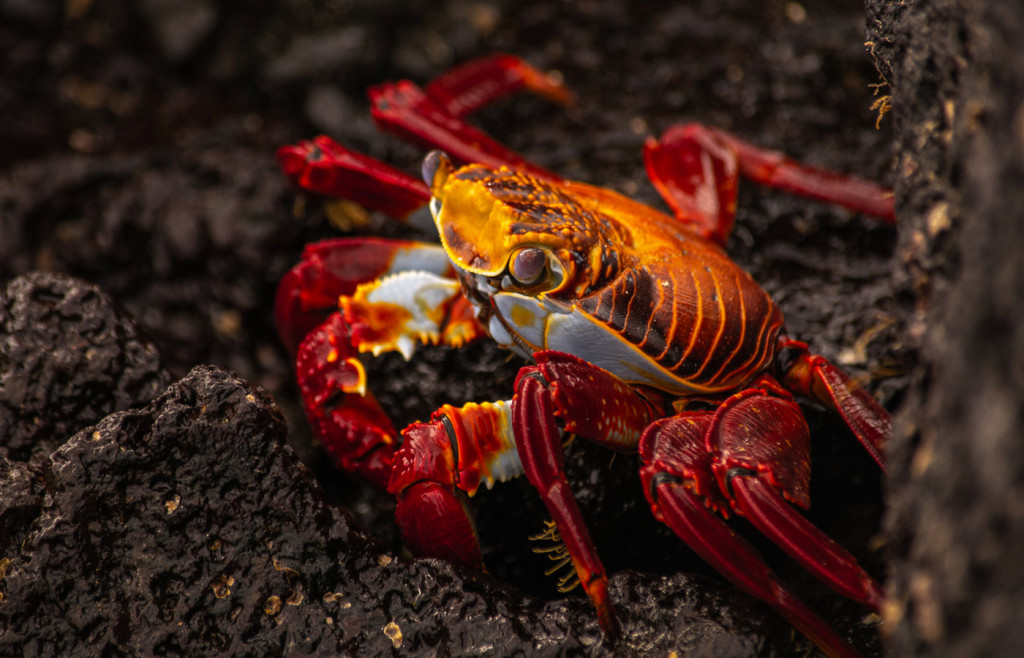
[
  {"x": 696, "y": 169},
  {"x": 599, "y": 407},
  {"x": 433, "y": 116},
  {"x": 814, "y": 377},
  {"x": 749, "y": 457}
]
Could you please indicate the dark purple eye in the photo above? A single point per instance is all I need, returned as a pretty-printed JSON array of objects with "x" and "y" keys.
[
  {"x": 434, "y": 161},
  {"x": 528, "y": 265}
]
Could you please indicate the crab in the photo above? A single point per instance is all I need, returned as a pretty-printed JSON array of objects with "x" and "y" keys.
[{"x": 640, "y": 334}]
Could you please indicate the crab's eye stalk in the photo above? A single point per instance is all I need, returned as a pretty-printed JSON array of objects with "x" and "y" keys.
[
  {"x": 527, "y": 265},
  {"x": 436, "y": 167}
]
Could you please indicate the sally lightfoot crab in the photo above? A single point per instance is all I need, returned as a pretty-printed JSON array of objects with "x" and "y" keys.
[{"x": 641, "y": 333}]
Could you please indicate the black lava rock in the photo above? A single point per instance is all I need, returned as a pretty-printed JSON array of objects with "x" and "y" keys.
[
  {"x": 956, "y": 521},
  {"x": 68, "y": 357},
  {"x": 189, "y": 527}
]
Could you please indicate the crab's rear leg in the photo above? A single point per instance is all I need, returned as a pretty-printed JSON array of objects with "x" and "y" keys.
[
  {"x": 678, "y": 505},
  {"x": 760, "y": 444},
  {"x": 815, "y": 377},
  {"x": 750, "y": 456},
  {"x": 696, "y": 170}
]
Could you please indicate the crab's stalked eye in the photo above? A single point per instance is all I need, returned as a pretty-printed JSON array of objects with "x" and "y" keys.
[
  {"x": 527, "y": 265},
  {"x": 436, "y": 167}
]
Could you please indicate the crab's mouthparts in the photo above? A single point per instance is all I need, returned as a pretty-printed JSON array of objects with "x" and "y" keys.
[{"x": 477, "y": 288}]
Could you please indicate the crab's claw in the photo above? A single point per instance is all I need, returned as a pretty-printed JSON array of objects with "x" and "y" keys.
[
  {"x": 309, "y": 292},
  {"x": 392, "y": 294},
  {"x": 398, "y": 312}
]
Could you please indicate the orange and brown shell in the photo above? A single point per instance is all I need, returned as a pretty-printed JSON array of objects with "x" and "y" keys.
[{"x": 667, "y": 296}]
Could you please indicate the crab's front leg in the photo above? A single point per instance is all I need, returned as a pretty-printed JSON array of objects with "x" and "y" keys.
[
  {"x": 391, "y": 295},
  {"x": 592, "y": 404}
]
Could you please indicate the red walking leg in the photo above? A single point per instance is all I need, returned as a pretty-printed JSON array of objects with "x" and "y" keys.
[
  {"x": 434, "y": 117},
  {"x": 697, "y": 176},
  {"x": 815, "y": 377},
  {"x": 468, "y": 87},
  {"x": 760, "y": 446},
  {"x": 595, "y": 405},
  {"x": 717, "y": 544},
  {"x": 406, "y": 110},
  {"x": 696, "y": 169},
  {"x": 677, "y": 478},
  {"x": 323, "y": 166},
  {"x": 541, "y": 453}
]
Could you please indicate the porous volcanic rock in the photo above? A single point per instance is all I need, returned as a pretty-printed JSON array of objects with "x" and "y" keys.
[
  {"x": 68, "y": 357},
  {"x": 956, "y": 492},
  {"x": 189, "y": 527}
]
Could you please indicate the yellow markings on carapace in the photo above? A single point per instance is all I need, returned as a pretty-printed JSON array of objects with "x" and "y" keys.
[
  {"x": 695, "y": 326},
  {"x": 522, "y": 317},
  {"x": 598, "y": 235},
  {"x": 743, "y": 329}
]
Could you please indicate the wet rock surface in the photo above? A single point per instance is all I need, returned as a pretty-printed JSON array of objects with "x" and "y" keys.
[
  {"x": 137, "y": 154},
  {"x": 956, "y": 520}
]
